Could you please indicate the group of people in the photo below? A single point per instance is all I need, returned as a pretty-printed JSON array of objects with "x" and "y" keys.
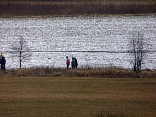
[
  {"x": 2, "y": 61},
  {"x": 74, "y": 63}
]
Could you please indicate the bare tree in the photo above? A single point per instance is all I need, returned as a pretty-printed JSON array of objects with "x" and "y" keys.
[
  {"x": 138, "y": 50},
  {"x": 21, "y": 50}
]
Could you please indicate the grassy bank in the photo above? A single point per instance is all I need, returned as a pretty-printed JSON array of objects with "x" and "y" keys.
[
  {"x": 84, "y": 72},
  {"x": 77, "y": 97},
  {"x": 73, "y": 8}
]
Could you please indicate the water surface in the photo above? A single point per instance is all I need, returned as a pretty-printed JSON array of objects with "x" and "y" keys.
[{"x": 94, "y": 41}]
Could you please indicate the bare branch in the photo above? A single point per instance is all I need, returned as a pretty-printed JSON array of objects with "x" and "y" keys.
[
  {"x": 138, "y": 50},
  {"x": 21, "y": 50}
]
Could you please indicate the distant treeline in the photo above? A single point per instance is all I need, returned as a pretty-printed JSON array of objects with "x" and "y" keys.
[
  {"x": 8, "y": 9},
  {"x": 77, "y": 1}
]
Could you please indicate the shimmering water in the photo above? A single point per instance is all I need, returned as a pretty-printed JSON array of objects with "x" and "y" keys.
[{"x": 94, "y": 41}]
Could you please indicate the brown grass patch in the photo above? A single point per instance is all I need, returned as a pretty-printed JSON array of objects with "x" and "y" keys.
[
  {"x": 77, "y": 97},
  {"x": 112, "y": 72}
]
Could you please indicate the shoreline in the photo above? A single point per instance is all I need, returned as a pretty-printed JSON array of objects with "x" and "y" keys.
[{"x": 105, "y": 15}]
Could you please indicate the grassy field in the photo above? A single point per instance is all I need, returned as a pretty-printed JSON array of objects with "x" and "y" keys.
[{"x": 77, "y": 97}]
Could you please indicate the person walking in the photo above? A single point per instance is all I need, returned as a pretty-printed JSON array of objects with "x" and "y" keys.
[
  {"x": 73, "y": 64},
  {"x": 3, "y": 61},
  {"x": 76, "y": 64},
  {"x": 67, "y": 62},
  {"x": 0, "y": 59}
]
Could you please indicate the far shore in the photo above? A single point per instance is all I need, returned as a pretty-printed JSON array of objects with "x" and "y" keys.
[
  {"x": 70, "y": 9},
  {"x": 106, "y": 15}
]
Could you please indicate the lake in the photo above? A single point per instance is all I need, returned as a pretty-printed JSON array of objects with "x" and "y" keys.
[{"x": 95, "y": 41}]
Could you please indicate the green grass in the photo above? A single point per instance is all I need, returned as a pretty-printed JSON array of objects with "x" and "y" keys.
[{"x": 77, "y": 97}]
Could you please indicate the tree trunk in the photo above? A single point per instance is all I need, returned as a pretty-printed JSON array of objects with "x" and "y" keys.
[{"x": 20, "y": 59}]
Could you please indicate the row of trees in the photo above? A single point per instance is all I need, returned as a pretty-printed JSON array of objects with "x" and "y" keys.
[{"x": 22, "y": 51}]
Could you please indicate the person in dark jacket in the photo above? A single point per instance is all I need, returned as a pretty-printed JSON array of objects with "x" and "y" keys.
[
  {"x": 74, "y": 63},
  {"x": 3, "y": 61},
  {"x": 0, "y": 59}
]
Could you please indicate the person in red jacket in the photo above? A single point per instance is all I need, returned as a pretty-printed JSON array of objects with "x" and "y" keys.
[{"x": 67, "y": 62}]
